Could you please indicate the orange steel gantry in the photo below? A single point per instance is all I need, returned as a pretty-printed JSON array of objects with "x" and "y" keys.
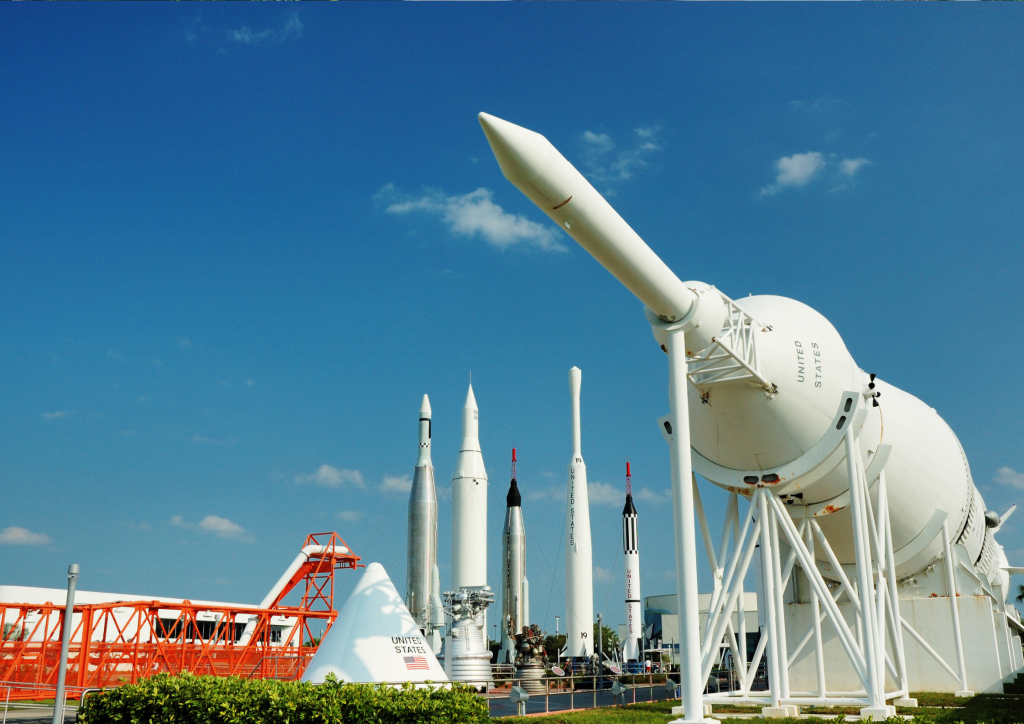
[{"x": 143, "y": 638}]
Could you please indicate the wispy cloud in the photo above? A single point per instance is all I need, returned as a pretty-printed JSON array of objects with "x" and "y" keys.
[
  {"x": 15, "y": 536},
  {"x": 55, "y": 415},
  {"x": 602, "y": 574},
  {"x": 289, "y": 32},
  {"x": 608, "y": 163},
  {"x": 396, "y": 484},
  {"x": 1010, "y": 478},
  {"x": 329, "y": 476},
  {"x": 349, "y": 516},
  {"x": 475, "y": 215},
  {"x": 605, "y": 493},
  {"x": 207, "y": 440},
  {"x": 802, "y": 169},
  {"x": 850, "y": 166},
  {"x": 220, "y": 527},
  {"x": 651, "y": 496},
  {"x": 223, "y": 528},
  {"x": 796, "y": 170},
  {"x": 184, "y": 342}
]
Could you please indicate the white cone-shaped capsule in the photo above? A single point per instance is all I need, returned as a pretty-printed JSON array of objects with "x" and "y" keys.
[
  {"x": 374, "y": 639},
  {"x": 579, "y": 573}
]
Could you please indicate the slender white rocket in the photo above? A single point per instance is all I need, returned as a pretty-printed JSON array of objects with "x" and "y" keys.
[
  {"x": 469, "y": 505},
  {"x": 513, "y": 570},
  {"x": 420, "y": 594},
  {"x": 579, "y": 574},
  {"x": 631, "y": 550}
]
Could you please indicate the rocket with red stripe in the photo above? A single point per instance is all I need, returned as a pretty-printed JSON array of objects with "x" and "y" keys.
[{"x": 631, "y": 549}]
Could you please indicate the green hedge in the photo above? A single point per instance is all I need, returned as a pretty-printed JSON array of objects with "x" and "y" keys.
[{"x": 187, "y": 699}]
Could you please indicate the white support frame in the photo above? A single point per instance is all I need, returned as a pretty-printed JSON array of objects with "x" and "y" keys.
[
  {"x": 733, "y": 353},
  {"x": 873, "y": 595}
]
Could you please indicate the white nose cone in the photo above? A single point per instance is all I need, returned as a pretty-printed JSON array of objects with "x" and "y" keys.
[
  {"x": 522, "y": 154},
  {"x": 425, "y": 407},
  {"x": 374, "y": 639}
]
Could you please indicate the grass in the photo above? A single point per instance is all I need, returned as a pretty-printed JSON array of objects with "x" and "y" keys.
[{"x": 932, "y": 709}]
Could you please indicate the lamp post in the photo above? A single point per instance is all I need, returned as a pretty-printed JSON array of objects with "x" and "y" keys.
[{"x": 65, "y": 642}]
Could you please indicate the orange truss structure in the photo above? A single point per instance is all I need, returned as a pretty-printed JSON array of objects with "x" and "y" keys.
[{"x": 119, "y": 643}]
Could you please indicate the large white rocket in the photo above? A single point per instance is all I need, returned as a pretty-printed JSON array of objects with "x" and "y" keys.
[
  {"x": 515, "y": 607},
  {"x": 422, "y": 581},
  {"x": 631, "y": 551},
  {"x": 579, "y": 573},
  {"x": 469, "y": 504},
  {"x": 467, "y": 657}
]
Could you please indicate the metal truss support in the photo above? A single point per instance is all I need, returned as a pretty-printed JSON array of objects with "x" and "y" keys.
[{"x": 783, "y": 544}]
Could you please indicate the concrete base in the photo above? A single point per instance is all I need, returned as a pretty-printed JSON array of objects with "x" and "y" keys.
[
  {"x": 681, "y": 710},
  {"x": 880, "y": 713},
  {"x": 965, "y": 693},
  {"x": 907, "y": 702},
  {"x": 786, "y": 711}
]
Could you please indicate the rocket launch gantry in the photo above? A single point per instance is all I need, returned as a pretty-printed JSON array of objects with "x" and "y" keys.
[{"x": 853, "y": 526}]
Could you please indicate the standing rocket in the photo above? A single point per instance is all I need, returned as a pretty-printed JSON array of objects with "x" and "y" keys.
[
  {"x": 630, "y": 547},
  {"x": 422, "y": 582},
  {"x": 469, "y": 505},
  {"x": 514, "y": 607},
  {"x": 467, "y": 657},
  {"x": 579, "y": 573}
]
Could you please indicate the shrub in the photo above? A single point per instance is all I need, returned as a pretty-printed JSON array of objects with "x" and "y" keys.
[{"x": 187, "y": 699}]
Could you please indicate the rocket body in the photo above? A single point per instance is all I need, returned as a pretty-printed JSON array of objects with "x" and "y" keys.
[
  {"x": 422, "y": 596},
  {"x": 743, "y": 435},
  {"x": 579, "y": 573},
  {"x": 469, "y": 504},
  {"x": 631, "y": 551},
  {"x": 513, "y": 574}
]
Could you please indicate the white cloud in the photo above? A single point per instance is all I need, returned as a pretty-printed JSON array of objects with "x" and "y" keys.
[
  {"x": 396, "y": 484},
  {"x": 15, "y": 536},
  {"x": 602, "y": 574},
  {"x": 605, "y": 493},
  {"x": 796, "y": 170},
  {"x": 598, "y": 142},
  {"x": 199, "y": 438},
  {"x": 331, "y": 477},
  {"x": 184, "y": 342},
  {"x": 54, "y": 415},
  {"x": 476, "y": 214},
  {"x": 651, "y": 496},
  {"x": 349, "y": 516},
  {"x": 1010, "y": 477},
  {"x": 849, "y": 166},
  {"x": 607, "y": 163},
  {"x": 290, "y": 31},
  {"x": 223, "y": 528},
  {"x": 176, "y": 520}
]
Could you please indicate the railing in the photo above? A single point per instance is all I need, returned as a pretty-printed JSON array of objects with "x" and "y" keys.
[
  {"x": 573, "y": 692},
  {"x": 18, "y": 697}
]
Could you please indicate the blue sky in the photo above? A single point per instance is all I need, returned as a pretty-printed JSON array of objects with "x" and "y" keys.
[{"x": 238, "y": 243}]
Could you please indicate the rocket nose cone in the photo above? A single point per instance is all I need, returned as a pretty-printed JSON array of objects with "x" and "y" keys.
[
  {"x": 425, "y": 407},
  {"x": 470, "y": 399},
  {"x": 521, "y": 153}
]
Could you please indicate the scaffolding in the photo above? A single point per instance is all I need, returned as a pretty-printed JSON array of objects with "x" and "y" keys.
[{"x": 121, "y": 642}]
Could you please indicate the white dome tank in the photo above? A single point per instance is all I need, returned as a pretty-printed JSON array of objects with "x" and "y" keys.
[{"x": 738, "y": 431}]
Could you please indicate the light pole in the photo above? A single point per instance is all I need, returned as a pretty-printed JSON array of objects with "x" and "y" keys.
[{"x": 65, "y": 642}]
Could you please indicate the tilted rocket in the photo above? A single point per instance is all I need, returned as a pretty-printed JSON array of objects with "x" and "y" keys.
[
  {"x": 422, "y": 581},
  {"x": 579, "y": 573},
  {"x": 631, "y": 550},
  {"x": 513, "y": 570}
]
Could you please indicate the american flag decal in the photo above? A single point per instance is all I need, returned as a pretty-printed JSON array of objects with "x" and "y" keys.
[{"x": 416, "y": 663}]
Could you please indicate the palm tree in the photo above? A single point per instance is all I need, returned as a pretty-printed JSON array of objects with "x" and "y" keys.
[{"x": 1020, "y": 594}]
